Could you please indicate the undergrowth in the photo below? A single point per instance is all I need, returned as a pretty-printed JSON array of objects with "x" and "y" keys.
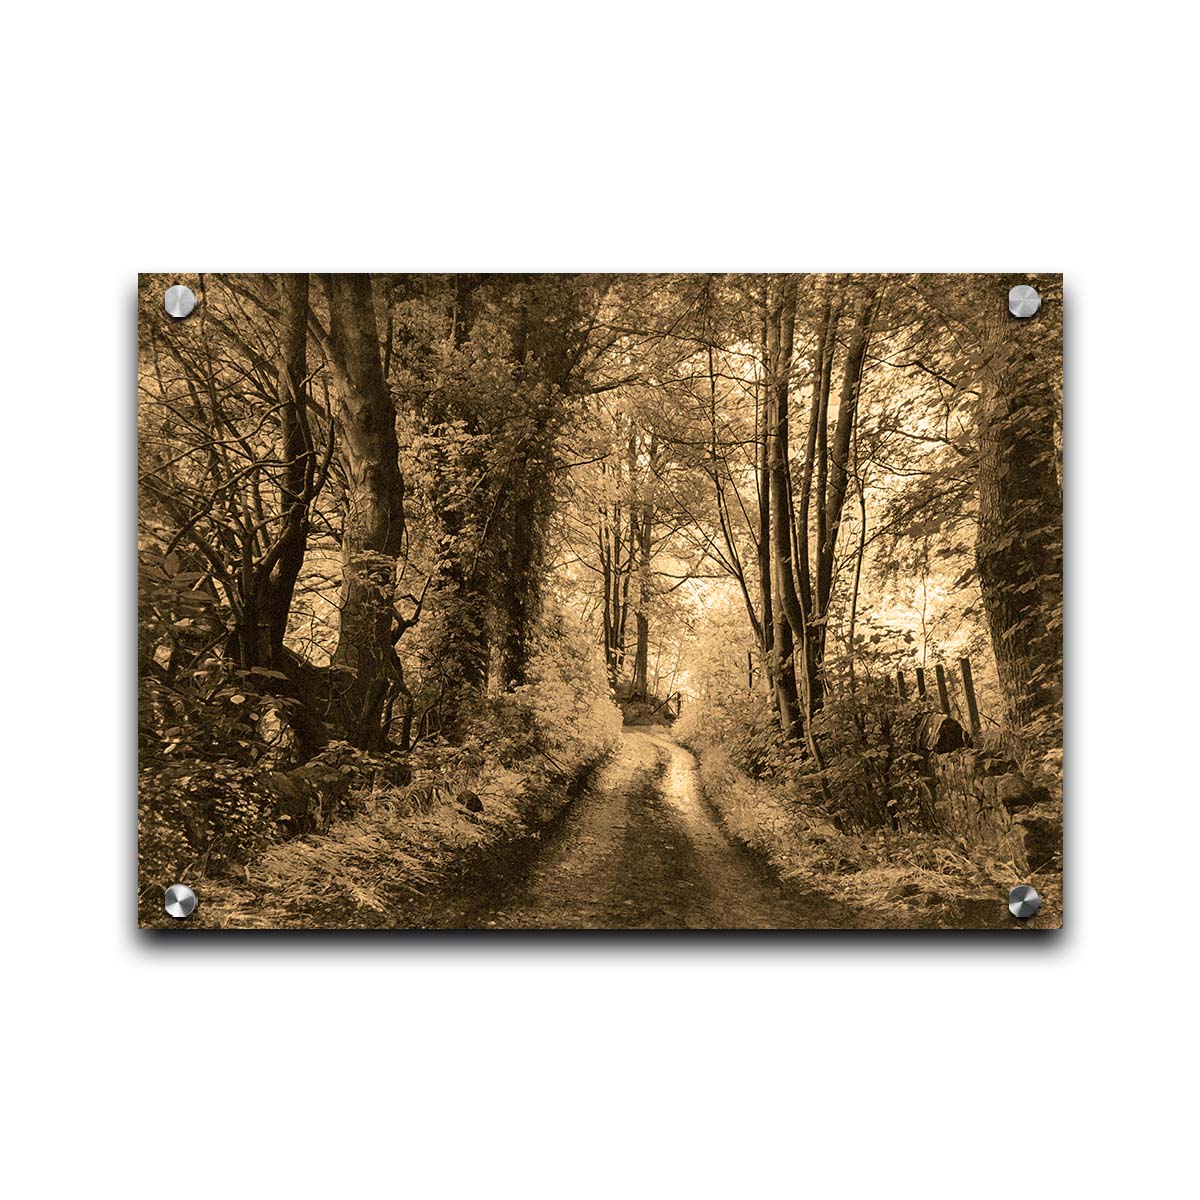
[
  {"x": 387, "y": 843},
  {"x": 403, "y": 841},
  {"x": 920, "y": 878}
]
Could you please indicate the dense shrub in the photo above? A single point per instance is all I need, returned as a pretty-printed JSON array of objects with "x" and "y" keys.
[
  {"x": 201, "y": 817},
  {"x": 512, "y": 772},
  {"x": 569, "y": 703},
  {"x": 872, "y": 777},
  {"x": 207, "y": 817},
  {"x": 744, "y": 726},
  {"x": 204, "y": 815},
  {"x": 873, "y": 774}
]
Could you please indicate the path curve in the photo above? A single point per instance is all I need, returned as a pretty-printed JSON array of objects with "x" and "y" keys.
[{"x": 639, "y": 849}]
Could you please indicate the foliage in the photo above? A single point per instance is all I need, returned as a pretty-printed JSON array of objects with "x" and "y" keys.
[
  {"x": 565, "y": 713},
  {"x": 367, "y": 869},
  {"x": 193, "y": 701},
  {"x": 872, "y": 776},
  {"x": 201, "y": 817},
  {"x": 745, "y": 725},
  {"x": 524, "y": 753},
  {"x": 873, "y": 771},
  {"x": 918, "y": 878},
  {"x": 212, "y": 816}
]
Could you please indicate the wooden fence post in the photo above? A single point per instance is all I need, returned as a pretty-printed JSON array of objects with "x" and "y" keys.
[
  {"x": 969, "y": 688},
  {"x": 921, "y": 682},
  {"x": 901, "y": 686},
  {"x": 943, "y": 697}
]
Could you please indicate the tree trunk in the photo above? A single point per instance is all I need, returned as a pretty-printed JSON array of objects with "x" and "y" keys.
[
  {"x": 815, "y": 468},
  {"x": 626, "y": 579},
  {"x": 833, "y": 496},
  {"x": 267, "y": 587},
  {"x": 832, "y": 479},
  {"x": 519, "y": 602},
  {"x": 1019, "y": 548},
  {"x": 606, "y": 574},
  {"x": 789, "y": 618},
  {"x": 549, "y": 337},
  {"x": 763, "y": 549},
  {"x": 373, "y": 532},
  {"x": 463, "y": 646},
  {"x": 641, "y": 658},
  {"x": 299, "y": 457}
]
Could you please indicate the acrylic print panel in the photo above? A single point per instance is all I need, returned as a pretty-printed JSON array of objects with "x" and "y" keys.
[{"x": 705, "y": 601}]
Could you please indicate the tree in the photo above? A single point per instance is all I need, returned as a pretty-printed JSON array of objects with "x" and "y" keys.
[
  {"x": 794, "y": 527},
  {"x": 373, "y": 529},
  {"x": 559, "y": 350},
  {"x": 268, "y": 585},
  {"x": 235, "y": 461},
  {"x": 643, "y": 530},
  {"x": 790, "y": 619},
  {"x": 1019, "y": 549},
  {"x": 833, "y": 474}
]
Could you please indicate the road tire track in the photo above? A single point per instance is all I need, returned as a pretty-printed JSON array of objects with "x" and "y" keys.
[{"x": 639, "y": 849}]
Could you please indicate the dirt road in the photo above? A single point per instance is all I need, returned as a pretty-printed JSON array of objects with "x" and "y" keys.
[{"x": 639, "y": 849}]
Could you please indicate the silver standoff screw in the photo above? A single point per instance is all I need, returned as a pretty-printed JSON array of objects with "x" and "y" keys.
[
  {"x": 179, "y": 301},
  {"x": 1023, "y": 901},
  {"x": 179, "y": 901},
  {"x": 1023, "y": 300}
]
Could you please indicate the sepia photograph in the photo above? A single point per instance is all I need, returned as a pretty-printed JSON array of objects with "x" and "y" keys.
[{"x": 600, "y": 601}]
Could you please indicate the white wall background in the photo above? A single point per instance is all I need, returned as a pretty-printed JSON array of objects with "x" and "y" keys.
[{"x": 649, "y": 135}]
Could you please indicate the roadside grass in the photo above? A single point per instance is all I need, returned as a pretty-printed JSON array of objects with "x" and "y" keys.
[
  {"x": 919, "y": 880},
  {"x": 394, "y": 847},
  {"x": 376, "y": 868}
]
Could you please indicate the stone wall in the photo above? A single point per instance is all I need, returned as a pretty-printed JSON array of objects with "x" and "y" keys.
[{"x": 986, "y": 800}]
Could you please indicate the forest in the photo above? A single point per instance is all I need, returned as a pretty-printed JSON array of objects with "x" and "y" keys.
[{"x": 581, "y": 600}]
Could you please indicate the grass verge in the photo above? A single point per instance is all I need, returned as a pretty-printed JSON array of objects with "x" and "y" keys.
[
  {"x": 915, "y": 880},
  {"x": 385, "y": 866}
]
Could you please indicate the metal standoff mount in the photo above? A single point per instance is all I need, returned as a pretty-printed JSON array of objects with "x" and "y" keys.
[
  {"x": 179, "y": 901},
  {"x": 1023, "y": 901},
  {"x": 179, "y": 301},
  {"x": 1023, "y": 300}
]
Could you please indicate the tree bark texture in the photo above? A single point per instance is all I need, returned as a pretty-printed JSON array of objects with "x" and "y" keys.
[
  {"x": 788, "y": 616},
  {"x": 641, "y": 657},
  {"x": 373, "y": 532},
  {"x": 1019, "y": 548}
]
